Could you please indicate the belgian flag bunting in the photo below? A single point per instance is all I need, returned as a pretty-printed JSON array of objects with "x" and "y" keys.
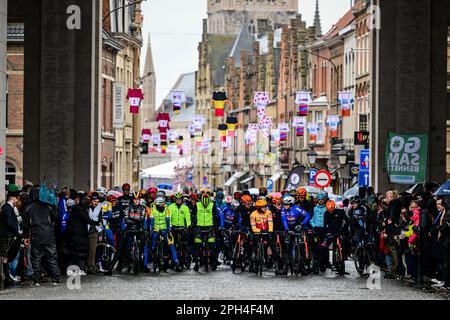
[{"x": 219, "y": 99}]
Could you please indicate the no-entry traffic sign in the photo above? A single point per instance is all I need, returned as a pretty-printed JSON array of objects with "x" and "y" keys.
[{"x": 322, "y": 179}]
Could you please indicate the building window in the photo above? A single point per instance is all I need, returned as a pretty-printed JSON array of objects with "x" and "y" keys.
[
  {"x": 10, "y": 173},
  {"x": 363, "y": 123}
]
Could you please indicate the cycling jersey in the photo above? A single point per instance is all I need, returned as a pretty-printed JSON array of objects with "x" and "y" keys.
[
  {"x": 179, "y": 215},
  {"x": 357, "y": 219},
  {"x": 317, "y": 220},
  {"x": 228, "y": 217},
  {"x": 245, "y": 215},
  {"x": 205, "y": 215},
  {"x": 261, "y": 221},
  {"x": 306, "y": 205},
  {"x": 292, "y": 217},
  {"x": 276, "y": 217},
  {"x": 136, "y": 217},
  {"x": 159, "y": 220},
  {"x": 334, "y": 221}
]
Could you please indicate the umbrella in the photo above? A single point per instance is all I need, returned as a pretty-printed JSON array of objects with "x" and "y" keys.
[{"x": 443, "y": 190}]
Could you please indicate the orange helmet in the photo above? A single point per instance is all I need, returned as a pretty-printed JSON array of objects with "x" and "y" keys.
[
  {"x": 330, "y": 205},
  {"x": 246, "y": 199},
  {"x": 301, "y": 192},
  {"x": 260, "y": 203}
]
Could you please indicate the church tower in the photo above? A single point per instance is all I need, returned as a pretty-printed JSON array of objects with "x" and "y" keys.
[
  {"x": 148, "y": 88},
  {"x": 228, "y": 16}
]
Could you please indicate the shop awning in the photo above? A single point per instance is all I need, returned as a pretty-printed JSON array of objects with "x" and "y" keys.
[
  {"x": 234, "y": 178},
  {"x": 276, "y": 176},
  {"x": 247, "y": 180}
]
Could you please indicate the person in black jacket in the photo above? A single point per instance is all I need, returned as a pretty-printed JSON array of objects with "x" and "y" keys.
[
  {"x": 444, "y": 238},
  {"x": 11, "y": 232},
  {"x": 78, "y": 234},
  {"x": 39, "y": 221}
]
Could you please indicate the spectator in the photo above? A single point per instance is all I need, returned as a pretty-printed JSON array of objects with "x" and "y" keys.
[
  {"x": 40, "y": 220},
  {"x": 95, "y": 214}
]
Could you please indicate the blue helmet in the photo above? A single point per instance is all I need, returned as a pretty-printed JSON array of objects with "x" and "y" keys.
[
  {"x": 322, "y": 195},
  {"x": 220, "y": 195}
]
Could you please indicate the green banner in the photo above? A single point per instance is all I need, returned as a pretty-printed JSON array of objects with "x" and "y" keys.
[{"x": 406, "y": 158}]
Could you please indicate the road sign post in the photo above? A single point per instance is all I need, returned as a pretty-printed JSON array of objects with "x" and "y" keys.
[
  {"x": 364, "y": 168},
  {"x": 312, "y": 175},
  {"x": 322, "y": 179},
  {"x": 270, "y": 185}
]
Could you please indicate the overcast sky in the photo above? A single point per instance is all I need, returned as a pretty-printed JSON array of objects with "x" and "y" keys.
[{"x": 176, "y": 26}]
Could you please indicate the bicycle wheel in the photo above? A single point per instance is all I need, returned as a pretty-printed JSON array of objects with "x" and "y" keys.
[
  {"x": 296, "y": 260},
  {"x": 104, "y": 255},
  {"x": 278, "y": 259},
  {"x": 206, "y": 258},
  {"x": 236, "y": 256},
  {"x": 260, "y": 258},
  {"x": 339, "y": 262},
  {"x": 360, "y": 257}
]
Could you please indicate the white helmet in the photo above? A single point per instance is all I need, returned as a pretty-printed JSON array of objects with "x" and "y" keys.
[
  {"x": 102, "y": 191},
  {"x": 288, "y": 200},
  {"x": 235, "y": 204},
  {"x": 160, "y": 201}
]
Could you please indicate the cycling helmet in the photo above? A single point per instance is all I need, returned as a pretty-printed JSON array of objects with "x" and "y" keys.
[
  {"x": 178, "y": 195},
  {"x": 143, "y": 202},
  {"x": 301, "y": 192},
  {"x": 246, "y": 199},
  {"x": 235, "y": 204},
  {"x": 284, "y": 192},
  {"x": 237, "y": 195},
  {"x": 263, "y": 191},
  {"x": 206, "y": 200},
  {"x": 143, "y": 192},
  {"x": 152, "y": 190},
  {"x": 126, "y": 186},
  {"x": 220, "y": 195},
  {"x": 260, "y": 203},
  {"x": 330, "y": 205},
  {"x": 136, "y": 195},
  {"x": 102, "y": 191},
  {"x": 161, "y": 193},
  {"x": 111, "y": 198},
  {"x": 289, "y": 200},
  {"x": 194, "y": 196},
  {"x": 322, "y": 195},
  {"x": 293, "y": 192},
  {"x": 160, "y": 201}
]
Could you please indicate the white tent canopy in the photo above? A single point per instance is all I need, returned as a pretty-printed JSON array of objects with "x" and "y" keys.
[{"x": 162, "y": 171}]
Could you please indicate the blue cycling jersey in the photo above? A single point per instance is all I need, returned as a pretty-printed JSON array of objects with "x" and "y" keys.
[
  {"x": 318, "y": 218},
  {"x": 292, "y": 217},
  {"x": 227, "y": 217}
]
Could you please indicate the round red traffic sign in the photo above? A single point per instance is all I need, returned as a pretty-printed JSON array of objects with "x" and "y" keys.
[{"x": 322, "y": 179}]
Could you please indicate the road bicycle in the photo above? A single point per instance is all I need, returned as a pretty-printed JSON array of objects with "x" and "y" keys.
[
  {"x": 239, "y": 257},
  {"x": 206, "y": 259},
  {"x": 259, "y": 257},
  {"x": 364, "y": 257},
  {"x": 104, "y": 253},
  {"x": 158, "y": 254},
  {"x": 181, "y": 247},
  {"x": 279, "y": 252}
]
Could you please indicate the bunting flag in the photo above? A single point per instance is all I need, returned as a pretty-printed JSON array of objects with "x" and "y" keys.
[
  {"x": 180, "y": 144},
  {"x": 163, "y": 119},
  {"x": 223, "y": 132},
  {"x": 251, "y": 134},
  {"x": 227, "y": 143},
  {"x": 302, "y": 100},
  {"x": 265, "y": 124},
  {"x": 198, "y": 142},
  {"x": 299, "y": 124},
  {"x": 146, "y": 135},
  {"x": 199, "y": 121},
  {"x": 134, "y": 97},
  {"x": 177, "y": 97},
  {"x": 232, "y": 122},
  {"x": 156, "y": 140},
  {"x": 191, "y": 130},
  {"x": 333, "y": 123},
  {"x": 163, "y": 147},
  {"x": 261, "y": 100},
  {"x": 219, "y": 99},
  {"x": 284, "y": 129},
  {"x": 172, "y": 136},
  {"x": 205, "y": 145},
  {"x": 345, "y": 100},
  {"x": 313, "y": 129},
  {"x": 276, "y": 136}
]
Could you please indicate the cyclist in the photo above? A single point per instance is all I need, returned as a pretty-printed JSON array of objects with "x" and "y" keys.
[
  {"x": 107, "y": 214},
  {"x": 135, "y": 223},
  {"x": 151, "y": 195},
  {"x": 160, "y": 226},
  {"x": 291, "y": 216},
  {"x": 334, "y": 222},
  {"x": 237, "y": 195},
  {"x": 229, "y": 219},
  {"x": 303, "y": 202},
  {"x": 357, "y": 216},
  {"x": 261, "y": 222},
  {"x": 205, "y": 228},
  {"x": 180, "y": 218},
  {"x": 125, "y": 200},
  {"x": 319, "y": 232},
  {"x": 246, "y": 210}
]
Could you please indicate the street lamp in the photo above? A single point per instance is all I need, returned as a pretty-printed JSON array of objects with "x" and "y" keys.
[
  {"x": 312, "y": 156},
  {"x": 342, "y": 157}
]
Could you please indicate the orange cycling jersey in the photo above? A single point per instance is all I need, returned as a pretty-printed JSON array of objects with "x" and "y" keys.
[{"x": 261, "y": 221}]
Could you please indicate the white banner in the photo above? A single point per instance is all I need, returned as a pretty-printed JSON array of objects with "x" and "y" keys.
[{"x": 118, "y": 105}]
